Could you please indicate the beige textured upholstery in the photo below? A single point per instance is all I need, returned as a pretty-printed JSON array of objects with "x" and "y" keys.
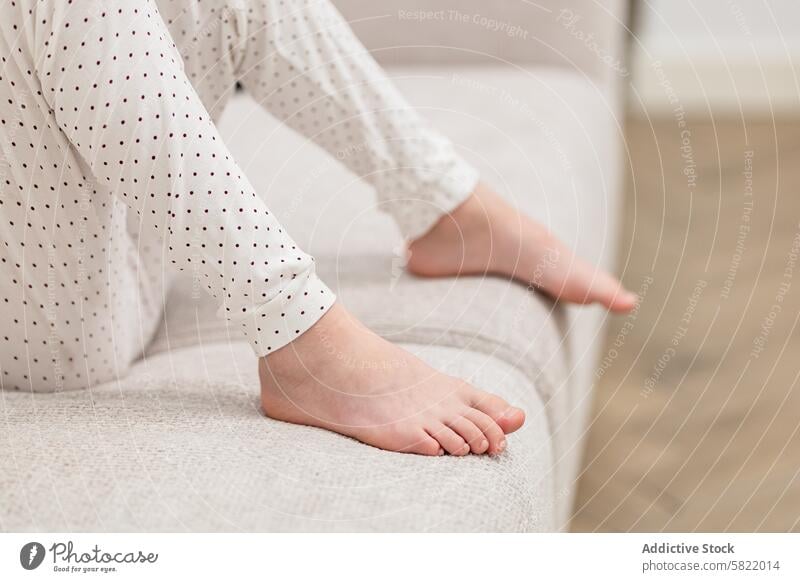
[{"x": 569, "y": 34}]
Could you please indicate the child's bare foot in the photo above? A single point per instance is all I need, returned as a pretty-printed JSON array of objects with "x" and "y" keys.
[
  {"x": 342, "y": 377},
  {"x": 486, "y": 235}
]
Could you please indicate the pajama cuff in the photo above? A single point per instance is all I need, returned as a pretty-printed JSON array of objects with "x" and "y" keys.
[
  {"x": 434, "y": 195},
  {"x": 287, "y": 316}
]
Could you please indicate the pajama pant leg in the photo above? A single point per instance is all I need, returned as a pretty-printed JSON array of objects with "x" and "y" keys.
[
  {"x": 113, "y": 173},
  {"x": 99, "y": 120},
  {"x": 302, "y": 63}
]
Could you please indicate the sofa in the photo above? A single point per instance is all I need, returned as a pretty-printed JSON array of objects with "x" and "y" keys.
[{"x": 530, "y": 93}]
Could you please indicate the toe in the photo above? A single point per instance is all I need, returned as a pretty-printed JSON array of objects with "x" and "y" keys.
[
  {"x": 621, "y": 301},
  {"x": 609, "y": 292},
  {"x": 510, "y": 418},
  {"x": 423, "y": 444},
  {"x": 450, "y": 440},
  {"x": 477, "y": 441},
  {"x": 491, "y": 430}
]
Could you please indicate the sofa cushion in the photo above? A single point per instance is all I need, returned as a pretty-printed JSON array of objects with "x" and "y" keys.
[
  {"x": 547, "y": 138},
  {"x": 180, "y": 445},
  {"x": 582, "y": 36}
]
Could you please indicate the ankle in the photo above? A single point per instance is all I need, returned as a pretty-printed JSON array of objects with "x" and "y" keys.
[
  {"x": 307, "y": 354},
  {"x": 468, "y": 217},
  {"x": 471, "y": 218}
]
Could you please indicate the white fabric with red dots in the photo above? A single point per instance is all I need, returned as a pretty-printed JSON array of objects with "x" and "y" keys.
[{"x": 113, "y": 173}]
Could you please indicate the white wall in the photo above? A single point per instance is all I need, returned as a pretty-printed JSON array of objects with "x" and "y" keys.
[{"x": 723, "y": 55}]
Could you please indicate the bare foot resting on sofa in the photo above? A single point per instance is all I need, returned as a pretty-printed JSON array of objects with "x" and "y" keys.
[
  {"x": 342, "y": 377},
  {"x": 486, "y": 235}
]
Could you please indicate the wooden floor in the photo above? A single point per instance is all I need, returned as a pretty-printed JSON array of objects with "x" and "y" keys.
[{"x": 697, "y": 416}]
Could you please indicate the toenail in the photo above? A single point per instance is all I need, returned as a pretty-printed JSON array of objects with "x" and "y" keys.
[
  {"x": 501, "y": 446},
  {"x": 484, "y": 444}
]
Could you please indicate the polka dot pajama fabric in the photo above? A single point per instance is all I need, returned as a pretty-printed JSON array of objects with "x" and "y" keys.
[{"x": 113, "y": 176}]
